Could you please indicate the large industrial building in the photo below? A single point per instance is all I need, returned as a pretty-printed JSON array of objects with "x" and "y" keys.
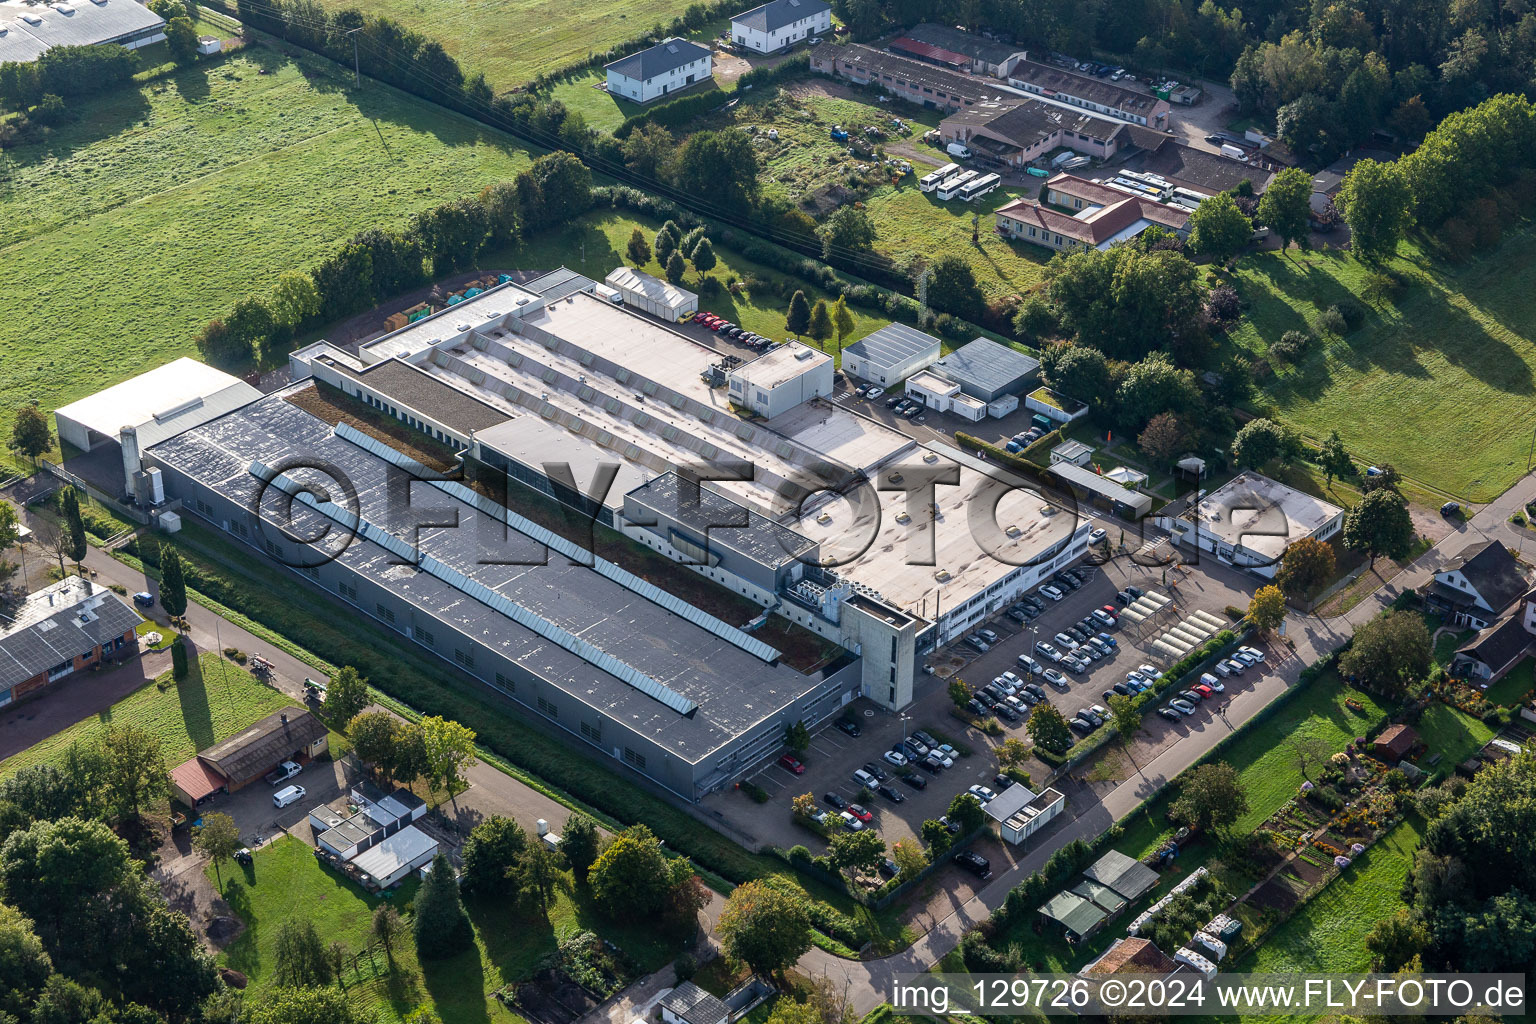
[
  {"x": 1250, "y": 520},
  {"x": 873, "y": 548},
  {"x": 28, "y": 30}
]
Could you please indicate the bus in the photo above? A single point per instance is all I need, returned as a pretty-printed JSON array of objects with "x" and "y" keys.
[
  {"x": 951, "y": 187},
  {"x": 932, "y": 181},
  {"x": 980, "y": 187}
]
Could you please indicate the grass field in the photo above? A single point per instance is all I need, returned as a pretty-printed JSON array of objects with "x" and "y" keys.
[
  {"x": 215, "y": 701},
  {"x": 510, "y": 41},
  {"x": 1436, "y": 385},
  {"x": 1452, "y": 733},
  {"x": 131, "y": 227},
  {"x": 286, "y": 881},
  {"x": 1515, "y": 685}
]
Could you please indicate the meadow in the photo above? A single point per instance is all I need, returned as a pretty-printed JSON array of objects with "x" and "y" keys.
[
  {"x": 1437, "y": 384},
  {"x": 129, "y": 228}
]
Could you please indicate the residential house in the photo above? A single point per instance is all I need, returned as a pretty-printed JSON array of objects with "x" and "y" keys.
[
  {"x": 780, "y": 24},
  {"x": 1486, "y": 657},
  {"x": 1019, "y": 132},
  {"x": 1095, "y": 227},
  {"x": 689, "y": 1004},
  {"x": 1477, "y": 587},
  {"x": 1090, "y": 93},
  {"x": 962, "y": 51},
  {"x": 668, "y": 66},
  {"x": 66, "y": 627}
]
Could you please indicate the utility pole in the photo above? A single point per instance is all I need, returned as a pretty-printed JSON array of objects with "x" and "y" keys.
[{"x": 357, "y": 73}]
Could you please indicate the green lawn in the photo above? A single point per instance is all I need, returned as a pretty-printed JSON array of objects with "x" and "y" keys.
[
  {"x": 287, "y": 881},
  {"x": 510, "y": 41},
  {"x": 1451, "y": 733},
  {"x": 1516, "y": 684},
  {"x": 1437, "y": 385},
  {"x": 584, "y": 94},
  {"x": 215, "y": 701},
  {"x": 131, "y": 227}
]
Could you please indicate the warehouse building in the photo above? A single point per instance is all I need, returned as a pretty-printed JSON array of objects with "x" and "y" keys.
[
  {"x": 27, "y": 31},
  {"x": 962, "y": 51},
  {"x": 1250, "y": 521},
  {"x": 890, "y": 354},
  {"x": 661, "y": 299},
  {"x": 66, "y": 627},
  {"x": 781, "y": 379},
  {"x": 1019, "y": 132},
  {"x": 987, "y": 370}
]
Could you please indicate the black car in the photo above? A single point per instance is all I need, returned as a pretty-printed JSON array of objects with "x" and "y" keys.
[
  {"x": 1124, "y": 597},
  {"x": 952, "y": 826},
  {"x": 1134, "y": 591},
  {"x": 848, "y": 726},
  {"x": 1078, "y": 725},
  {"x": 1122, "y": 689},
  {"x": 975, "y": 707},
  {"x": 924, "y": 737},
  {"x": 1107, "y": 694},
  {"x": 1215, "y": 140},
  {"x": 1170, "y": 714},
  {"x": 834, "y": 801},
  {"x": 891, "y": 794},
  {"x": 1001, "y": 782},
  {"x": 1450, "y": 508},
  {"x": 1007, "y": 713},
  {"x": 915, "y": 780},
  {"x": 1077, "y": 634},
  {"x": 875, "y": 770},
  {"x": 1191, "y": 696},
  {"x": 894, "y": 401},
  {"x": 975, "y": 863},
  {"x": 888, "y": 868},
  {"x": 931, "y": 764}
]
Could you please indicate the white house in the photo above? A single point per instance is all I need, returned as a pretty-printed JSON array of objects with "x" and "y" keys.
[
  {"x": 668, "y": 66},
  {"x": 780, "y": 23}
]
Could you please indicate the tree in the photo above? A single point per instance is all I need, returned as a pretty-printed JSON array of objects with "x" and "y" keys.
[
  {"x": 134, "y": 768},
  {"x": 387, "y": 927},
  {"x": 1011, "y": 753},
  {"x": 1379, "y": 525},
  {"x": 450, "y": 752},
  {"x": 797, "y": 737},
  {"x": 410, "y": 760},
  {"x": 1262, "y": 441},
  {"x": 579, "y": 843},
  {"x": 1396, "y": 941},
  {"x": 638, "y": 250},
  {"x": 630, "y": 878},
  {"x": 764, "y": 927},
  {"x": 821, "y": 323},
  {"x": 562, "y": 187},
  {"x": 30, "y": 435},
  {"x": 1385, "y": 478},
  {"x": 24, "y": 964},
  {"x": 1310, "y": 751},
  {"x": 1126, "y": 302},
  {"x": 74, "y": 525},
  {"x": 720, "y": 164},
  {"x": 676, "y": 268},
  {"x": 1377, "y": 205},
  {"x": 538, "y": 876},
  {"x": 1080, "y": 371},
  {"x": 346, "y": 697},
  {"x": 1334, "y": 460},
  {"x": 959, "y": 693},
  {"x": 665, "y": 245},
  {"x": 179, "y": 667},
  {"x": 1123, "y": 717},
  {"x": 1218, "y": 229},
  {"x": 441, "y": 927},
  {"x": 803, "y": 806},
  {"x": 1307, "y": 565},
  {"x": 849, "y": 230},
  {"x": 1266, "y": 609},
  {"x": 309, "y": 1006},
  {"x": 1154, "y": 385},
  {"x": 1286, "y": 206},
  {"x": 842, "y": 321},
  {"x": 491, "y": 856},
  {"x": 1163, "y": 439},
  {"x": 249, "y": 328},
  {"x": 1211, "y": 798},
  {"x": 937, "y": 837},
  {"x": 798, "y": 320},
  {"x": 703, "y": 257},
  {"x": 374, "y": 738},
  {"x": 181, "y": 40},
  {"x": 294, "y": 300},
  {"x": 300, "y": 958},
  {"x": 909, "y": 857},
  {"x": 218, "y": 839},
  {"x": 173, "y": 582},
  {"x": 648, "y": 149},
  {"x": 965, "y": 811},
  {"x": 1048, "y": 729},
  {"x": 952, "y": 288},
  {"x": 1389, "y": 654},
  {"x": 857, "y": 852}
]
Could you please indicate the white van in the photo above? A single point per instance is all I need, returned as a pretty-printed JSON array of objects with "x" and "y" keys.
[
  {"x": 284, "y": 797},
  {"x": 958, "y": 150}
]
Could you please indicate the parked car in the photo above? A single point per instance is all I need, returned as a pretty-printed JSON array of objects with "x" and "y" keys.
[
  {"x": 989, "y": 636},
  {"x": 1191, "y": 696},
  {"x": 894, "y": 401},
  {"x": 975, "y": 642},
  {"x": 1234, "y": 666},
  {"x": 144, "y": 599},
  {"x": 1046, "y": 651},
  {"x": 875, "y": 393},
  {"x": 792, "y": 763},
  {"x": 1182, "y": 706},
  {"x": 283, "y": 772},
  {"x": 1030, "y": 665},
  {"x": 849, "y": 726},
  {"x": 1135, "y": 592},
  {"x": 1035, "y": 690},
  {"x": 1149, "y": 672},
  {"x": 981, "y": 793},
  {"x": 1052, "y": 593},
  {"x": 915, "y": 780},
  {"x": 850, "y": 822},
  {"x": 1251, "y": 652},
  {"x": 931, "y": 764},
  {"x": 894, "y": 796},
  {"x": 975, "y": 863},
  {"x": 289, "y": 795},
  {"x": 1213, "y": 682},
  {"x": 1008, "y": 712},
  {"x": 1097, "y": 536},
  {"x": 1056, "y": 679},
  {"x": 1450, "y": 508},
  {"x": 924, "y": 737},
  {"x": 1203, "y": 690},
  {"x": 1080, "y": 725},
  {"x": 861, "y": 813},
  {"x": 1079, "y": 635},
  {"x": 835, "y": 801},
  {"x": 1221, "y": 669},
  {"x": 1104, "y": 618},
  {"x": 1171, "y": 715},
  {"x": 1074, "y": 664},
  {"x": 1111, "y": 641},
  {"x": 1124, "y": 597},
  {"x": 895, "y": 758},
  {"x": 952, "y": 827}
]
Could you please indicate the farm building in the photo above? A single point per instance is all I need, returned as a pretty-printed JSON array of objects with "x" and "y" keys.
[
  {"x": 668, "y": 66},
  {"x": 291, "y": 735},
  {"x": 1078, "y": 917},
  {"x": 652, "y": 295},
  {"x": 891, "y": 354},
  {"x": 1250, "y": 521},
  {"x": 66, "y": 627},
  {"x": 27, "y": 31},
  {"x": 779, "y": 24},
  {"x": 987, "y": 370},
  {"x": 780, "y": 379}
]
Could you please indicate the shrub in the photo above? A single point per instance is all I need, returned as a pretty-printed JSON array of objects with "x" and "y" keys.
[
  {"x": 1291, "y": 346},
  {"x": 1352, "y": 312},
  {"x": 799, "y": 854},
  {"x": 1223, "y": 305},
  {"x": 178, "y": 659},
  {"x": 1330, "y": 321},
  {"x": 1381, "y": 288}
]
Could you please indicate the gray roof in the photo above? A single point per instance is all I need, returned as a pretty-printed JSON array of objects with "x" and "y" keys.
[
  {"x": 265, "y": 743},
  {"x": 892, "y": 344},
  {"x": 557, "y": 284},
  {"x": 624, "y": 634},
  {"x": 987, "y": 365},
  {"x": 695, "y": 1005},
  {"x": 900, "y": 70},
  {"x": 1198, "y": 169},
  {"x": 667, "y": 55},
  {"x": 776, "y": 14},
  {"x": 1073, "y": 912},
  {"x": 1130, "y": 878},
  {"x": 965, "y": 43},
  {"x": 1491, "y": 569},
  {"x": 75, "y": 23},
  {"x": 1027, "y": 121},
  {"x": 426, "y": 394},
  {"x": 1499, "y": 646},
  {"x": 1093, "y": 90},
  {"x": 58, "y": 624},
  {"x": 722, "y": 521}
]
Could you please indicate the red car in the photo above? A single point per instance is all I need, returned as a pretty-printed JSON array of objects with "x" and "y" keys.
[
  {"x": 1111, "y": 611},
  {"x": 1203, "y": 690},
  {"x": 792, "y": 763},
  {"x": 861, "y": 813},
  {"x": 706, "y": 319}
]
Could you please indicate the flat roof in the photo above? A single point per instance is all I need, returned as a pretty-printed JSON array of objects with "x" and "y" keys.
[
  {"x": 841, "y": 435},
  {"x": 780, "y": 365},
  {"x": 493, "y": 304},
  {"x": 414, "y": 387},
  {"x": 908, "y": 71},
  {"x": 933, "y": 382},
  {"x": 403, "y": 848},
  {"x": 534, "y": 441},
  {"x": 730, "y": 689},
  {"x": 1260, "y": 514},
  {"x": 161, "y": 402},
  {"x": 987, "y": 365},
  {"x": 892, "y": 344},
  {"x": 723, "y": 521},
  {"x": 1083, "y": 477},
  {"x": 73, "y": 23}
]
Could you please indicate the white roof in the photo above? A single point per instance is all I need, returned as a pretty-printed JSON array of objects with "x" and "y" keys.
[
  {"x": 1009, "y": 802},
  {"x": 405, "y": 848},
  {"x": 31, "y": 28},
  {"x": 653, "y": 288},
  {"x": 781, "y": 365},
  {"x": 1262, "y": 515},
  {"x": 163, "y": 402}
]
